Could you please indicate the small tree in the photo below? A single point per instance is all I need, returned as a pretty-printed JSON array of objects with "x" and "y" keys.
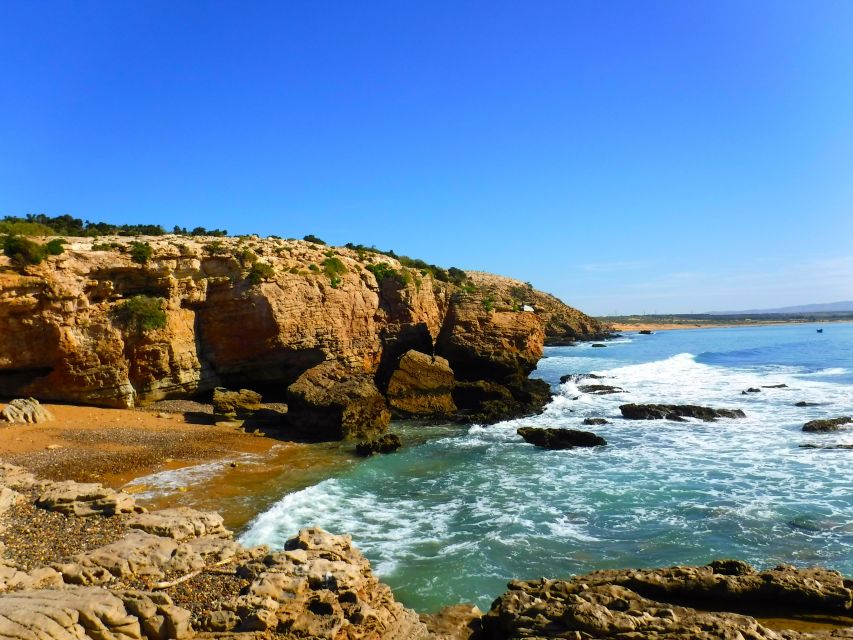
[
  {"x": 54, "y": 247},
  {"x": 312, "y": 238}
]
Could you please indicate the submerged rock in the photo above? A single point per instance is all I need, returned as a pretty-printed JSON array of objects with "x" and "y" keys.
[
  {"x": 751, "y": 390},
  {"x": 676, "y": 412},
  {"x": 775, "y": 386},
  {"x": 387, "y": 443},
  {"x": 595, "y": 421},
  {"x": 599, "y": 345},
  {"x": 577, "y": 377},
  {"x": 560, "y": 438},
  {"x": 600, "y": 389},
  {"x": 25, "y": 410},
  {"x": 645, "y": 332},
  {"x": 803, "y": 403},
  {"x": 827, "y": 425}
]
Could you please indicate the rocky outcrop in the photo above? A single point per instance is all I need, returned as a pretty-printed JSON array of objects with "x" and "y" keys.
[
  {"x": 70, "y": 329},
  {"x": 25, "y": 410},
  {"x": 650, "y": 603},
  {"x": 421, "y": 386},
  {"x": 387, "y": 443},
  {"x": 560, "y": 438},
  {"x": 600, "y": 389},
  {"x": 828, "y": 425},
  {"x": 329, "y": 402},
  {"x": 676, "y": 412},
  {"x": 594, "y": 421}
]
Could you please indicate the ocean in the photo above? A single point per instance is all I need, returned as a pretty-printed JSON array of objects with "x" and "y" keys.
[{"x": 462, "y": 510}]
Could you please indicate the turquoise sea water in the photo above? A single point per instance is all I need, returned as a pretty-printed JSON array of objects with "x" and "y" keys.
[{"x": 461, "y": 511}]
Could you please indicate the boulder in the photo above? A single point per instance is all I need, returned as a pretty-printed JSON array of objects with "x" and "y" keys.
[
  {"x": 487, "y": 402},
  {"x": 85, "y": 499},
  {"x": 8, "y": 499},
  {"x": 560, "y": 438},
  {"x": 676, "y": 412},
  {"x": 828, "y": 425},
  {"x": 456, "y": 622},
  {"x": 645, "y": 332},
  {"x": 594, "y": 421},
  {"x": 751, "y": 390},
  {"x": 25, "y": 410},
  {"x": 17, "y": 478},
  {"x": 330, "y": 402},
  {"x": 242, "y": 403},
  {"x": 421, "y": 385},
  {"x": 387, "y": 443}
]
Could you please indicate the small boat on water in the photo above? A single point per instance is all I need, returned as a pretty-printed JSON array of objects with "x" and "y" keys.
[{"x": 820, "y": 330}]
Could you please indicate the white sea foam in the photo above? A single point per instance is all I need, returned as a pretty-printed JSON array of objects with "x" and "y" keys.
[{"x": 173, "y": 480}]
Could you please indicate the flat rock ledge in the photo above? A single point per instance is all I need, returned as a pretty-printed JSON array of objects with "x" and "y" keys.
[
  {"x": 651, "y": 604},
  {"x": 676, "y": 412},
  {"x": 560, "y": 438},
  {"x": 319, "y": 587}
]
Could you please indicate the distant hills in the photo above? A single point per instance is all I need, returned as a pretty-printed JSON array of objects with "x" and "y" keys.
[{"x": 845, "y": 306}]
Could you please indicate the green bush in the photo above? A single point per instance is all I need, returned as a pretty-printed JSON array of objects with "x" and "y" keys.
[
  {"x": 260, "y": 271},
  {"x": 313, "y": 267},
  {"x": 312, "y": 238},
  {"x": 383, "y": 271},
  {"x": 141, "y": 252},
  {"x": 246, "y": 257},
  {"x": 54, "y": 247},
  {"x": 141, "y": 313},
  {"x": 24, "y": 228},
  {"x": 489, "y": 303},
  {"x": 456, "y": 276},
  {"x": 22, "y": 251}
]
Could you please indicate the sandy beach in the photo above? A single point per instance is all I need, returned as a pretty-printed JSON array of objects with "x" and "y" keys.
[{"x": 168, "y": 459}]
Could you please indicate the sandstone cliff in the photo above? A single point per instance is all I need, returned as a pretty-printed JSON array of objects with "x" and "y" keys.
[{"x": 254, "y": 313}]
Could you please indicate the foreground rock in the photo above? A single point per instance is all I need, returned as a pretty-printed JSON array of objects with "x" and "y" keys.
[
  {"x": 560, "y": 438},
  {"x": 25, "y": 411},
  {"x": 828, "y": 425},
  {"x": 422, "y": 386},
  {"x": 320, "y": 587},
  {"x": 647, "y": 603},
  {"x": 676, "y": 412},
  {"x": 387, "y": 443}
]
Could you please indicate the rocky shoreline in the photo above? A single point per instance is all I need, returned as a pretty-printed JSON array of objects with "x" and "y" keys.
[{"x": 83, "y": 561}]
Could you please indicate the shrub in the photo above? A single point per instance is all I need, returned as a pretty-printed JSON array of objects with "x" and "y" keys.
[
  {"x": 383, "y": 271},
  {"x": 22, "y": 251},
  {"x": 141, "y": 252},
  {"x": 489, "y": 303},
  {"x": 246, "y": 257},
  {"x": 54, "y": 247},
  {"x": 313, "y": 267},
  {"x": 334, "y": 268},
  {"x": 456, "y": 276},
  {"x": 312, "y": 238},
  {"x": 104, "y": 246},
  {"x": 23, "y": 228},
  {"x": 215, "y": 248},
  {"x": 141, "y": 313},
  {"x": 260, "y": 271}
]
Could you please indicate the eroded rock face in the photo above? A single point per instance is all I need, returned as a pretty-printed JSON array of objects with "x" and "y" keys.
[
  {"x": 676, "y": 412},
  {"x": 422, "y": 385},
  {"x": 328, "y": 402}
]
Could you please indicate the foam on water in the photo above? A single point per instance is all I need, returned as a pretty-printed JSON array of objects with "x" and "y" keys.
[{"x": 454, "y": 518}]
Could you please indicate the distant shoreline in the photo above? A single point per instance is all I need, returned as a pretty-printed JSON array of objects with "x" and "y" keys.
[{"x": 629, "y": 325}]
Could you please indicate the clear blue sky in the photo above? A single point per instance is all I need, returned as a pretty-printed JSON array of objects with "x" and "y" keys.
[{"x": 626, "y": 156}]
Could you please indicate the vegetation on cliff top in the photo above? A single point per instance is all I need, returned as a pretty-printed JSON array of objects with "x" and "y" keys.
[
  {"x": 39, "y": 224},
  {"x": 22, "y": 251}
]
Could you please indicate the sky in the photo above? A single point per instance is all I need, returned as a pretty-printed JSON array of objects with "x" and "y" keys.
[{"x": 629, "y": 157}]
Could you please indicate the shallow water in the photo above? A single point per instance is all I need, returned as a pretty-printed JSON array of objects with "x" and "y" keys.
[{"x": 462, "y": 510}]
